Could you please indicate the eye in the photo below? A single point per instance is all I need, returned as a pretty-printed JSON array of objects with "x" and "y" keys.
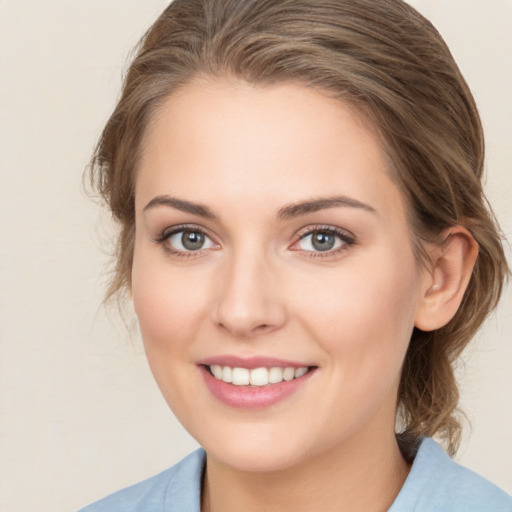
[
  {"x": 186, "y": 240},
  {"x": 324, "y": 240}
]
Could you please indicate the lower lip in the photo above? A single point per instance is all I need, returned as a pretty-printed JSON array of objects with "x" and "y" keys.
[{"x": 252, "y": 397}]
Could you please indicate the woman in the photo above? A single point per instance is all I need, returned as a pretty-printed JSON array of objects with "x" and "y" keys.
[{"x": 308, "y": 249}]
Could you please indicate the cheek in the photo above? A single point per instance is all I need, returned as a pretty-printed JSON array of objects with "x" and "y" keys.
[
  {"x": 168, "y": 303},
  {"x": 169, "y": 306},
  {"x": 365, "y": 312},
  {"x": 363, "y": 323}
]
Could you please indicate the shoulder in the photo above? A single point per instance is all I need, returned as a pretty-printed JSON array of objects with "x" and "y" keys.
[
  {"x": 437, "y": 483},
  {"x": 175, "y": 489}
]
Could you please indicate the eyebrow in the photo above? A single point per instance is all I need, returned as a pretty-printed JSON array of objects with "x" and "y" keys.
[
  {"x": 287, "y": 212},
  {"x": 298, "y": 209},
  {"x": 180, "y": 204}
]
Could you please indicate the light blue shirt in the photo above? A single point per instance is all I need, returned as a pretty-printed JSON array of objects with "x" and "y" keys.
[{"x": 435, "y": 484}]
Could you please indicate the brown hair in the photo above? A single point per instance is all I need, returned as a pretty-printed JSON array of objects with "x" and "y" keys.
[{"x": 388, "y": 61}]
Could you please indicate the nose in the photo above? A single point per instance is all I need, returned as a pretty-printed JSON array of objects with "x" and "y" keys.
[{"x": 250, "y": 299}]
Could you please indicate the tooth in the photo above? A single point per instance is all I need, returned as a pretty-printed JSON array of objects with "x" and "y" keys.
[
  {"x": 299, "y": 372},
  {"x": 256, "y": 377},
  {"x": 275, "y": 375},
  {"x": 216, "y": 370},
  {"x": 227, "y": 374},
  {"x": 240, "y": 376},
  {"x": 288, "y": 373},
  {"x": 259, "y": 377}
]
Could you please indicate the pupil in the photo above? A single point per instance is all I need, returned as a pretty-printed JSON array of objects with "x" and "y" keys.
[
  {"x": 323, "y": 241},
  {"x": 192, "y": 240}
]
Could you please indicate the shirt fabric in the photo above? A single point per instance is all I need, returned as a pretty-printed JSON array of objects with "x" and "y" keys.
[{"x": 435, "y": 484}]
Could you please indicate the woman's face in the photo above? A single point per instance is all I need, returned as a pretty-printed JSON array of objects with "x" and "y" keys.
[{"x": 270, "y": 240}]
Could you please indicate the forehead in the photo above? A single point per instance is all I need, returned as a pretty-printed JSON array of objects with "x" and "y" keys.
[{"x": 228, "y": 141}]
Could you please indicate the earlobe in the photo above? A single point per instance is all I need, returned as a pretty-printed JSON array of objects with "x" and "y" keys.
[{"x": 451, "y": 267}]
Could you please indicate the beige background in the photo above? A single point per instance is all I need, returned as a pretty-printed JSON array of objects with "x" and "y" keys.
[{"x": 79, "y": 413}]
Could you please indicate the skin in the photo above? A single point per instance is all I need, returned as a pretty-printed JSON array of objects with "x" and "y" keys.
[{"x": 257, "y": 289}]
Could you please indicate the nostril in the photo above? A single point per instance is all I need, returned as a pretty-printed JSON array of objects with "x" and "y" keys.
[{"x": 243, "y": 330}]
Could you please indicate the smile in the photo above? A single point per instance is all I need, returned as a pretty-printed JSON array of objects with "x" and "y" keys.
[
  {"x": 256, "y": 376},
  {"x": 253, "y": 383}
]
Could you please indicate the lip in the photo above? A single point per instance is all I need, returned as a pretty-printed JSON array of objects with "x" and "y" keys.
[
  {"x": 248, "y": 397},
  {"x": 250, "y": 362}
]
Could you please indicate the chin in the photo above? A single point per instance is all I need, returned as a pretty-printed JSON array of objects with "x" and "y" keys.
[
  {"x": 261, "y": 448},
  {"x": 250, "y": 458}
]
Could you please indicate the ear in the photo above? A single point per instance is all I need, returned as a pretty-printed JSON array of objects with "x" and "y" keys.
[{"x": 446, "y": 281}]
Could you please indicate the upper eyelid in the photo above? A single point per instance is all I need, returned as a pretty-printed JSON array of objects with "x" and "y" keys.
[
  {"x": 301, "y": 232},
  {"x": 172, "y": 230},
  {"x": 332, "y": 229}
]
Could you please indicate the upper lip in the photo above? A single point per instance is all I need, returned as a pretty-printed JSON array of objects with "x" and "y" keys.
[{"x": 250, "y": 362}]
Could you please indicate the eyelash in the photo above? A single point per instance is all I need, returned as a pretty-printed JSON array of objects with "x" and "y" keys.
[
  {"x": 168, "y": 233},
  {"x": 346, "y": 238}
]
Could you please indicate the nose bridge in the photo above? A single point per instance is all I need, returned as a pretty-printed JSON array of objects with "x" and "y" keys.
[{"x": 248, "y": 300}]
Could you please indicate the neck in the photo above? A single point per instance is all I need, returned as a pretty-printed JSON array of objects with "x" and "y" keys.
[{"x": 365, "y": 476}]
